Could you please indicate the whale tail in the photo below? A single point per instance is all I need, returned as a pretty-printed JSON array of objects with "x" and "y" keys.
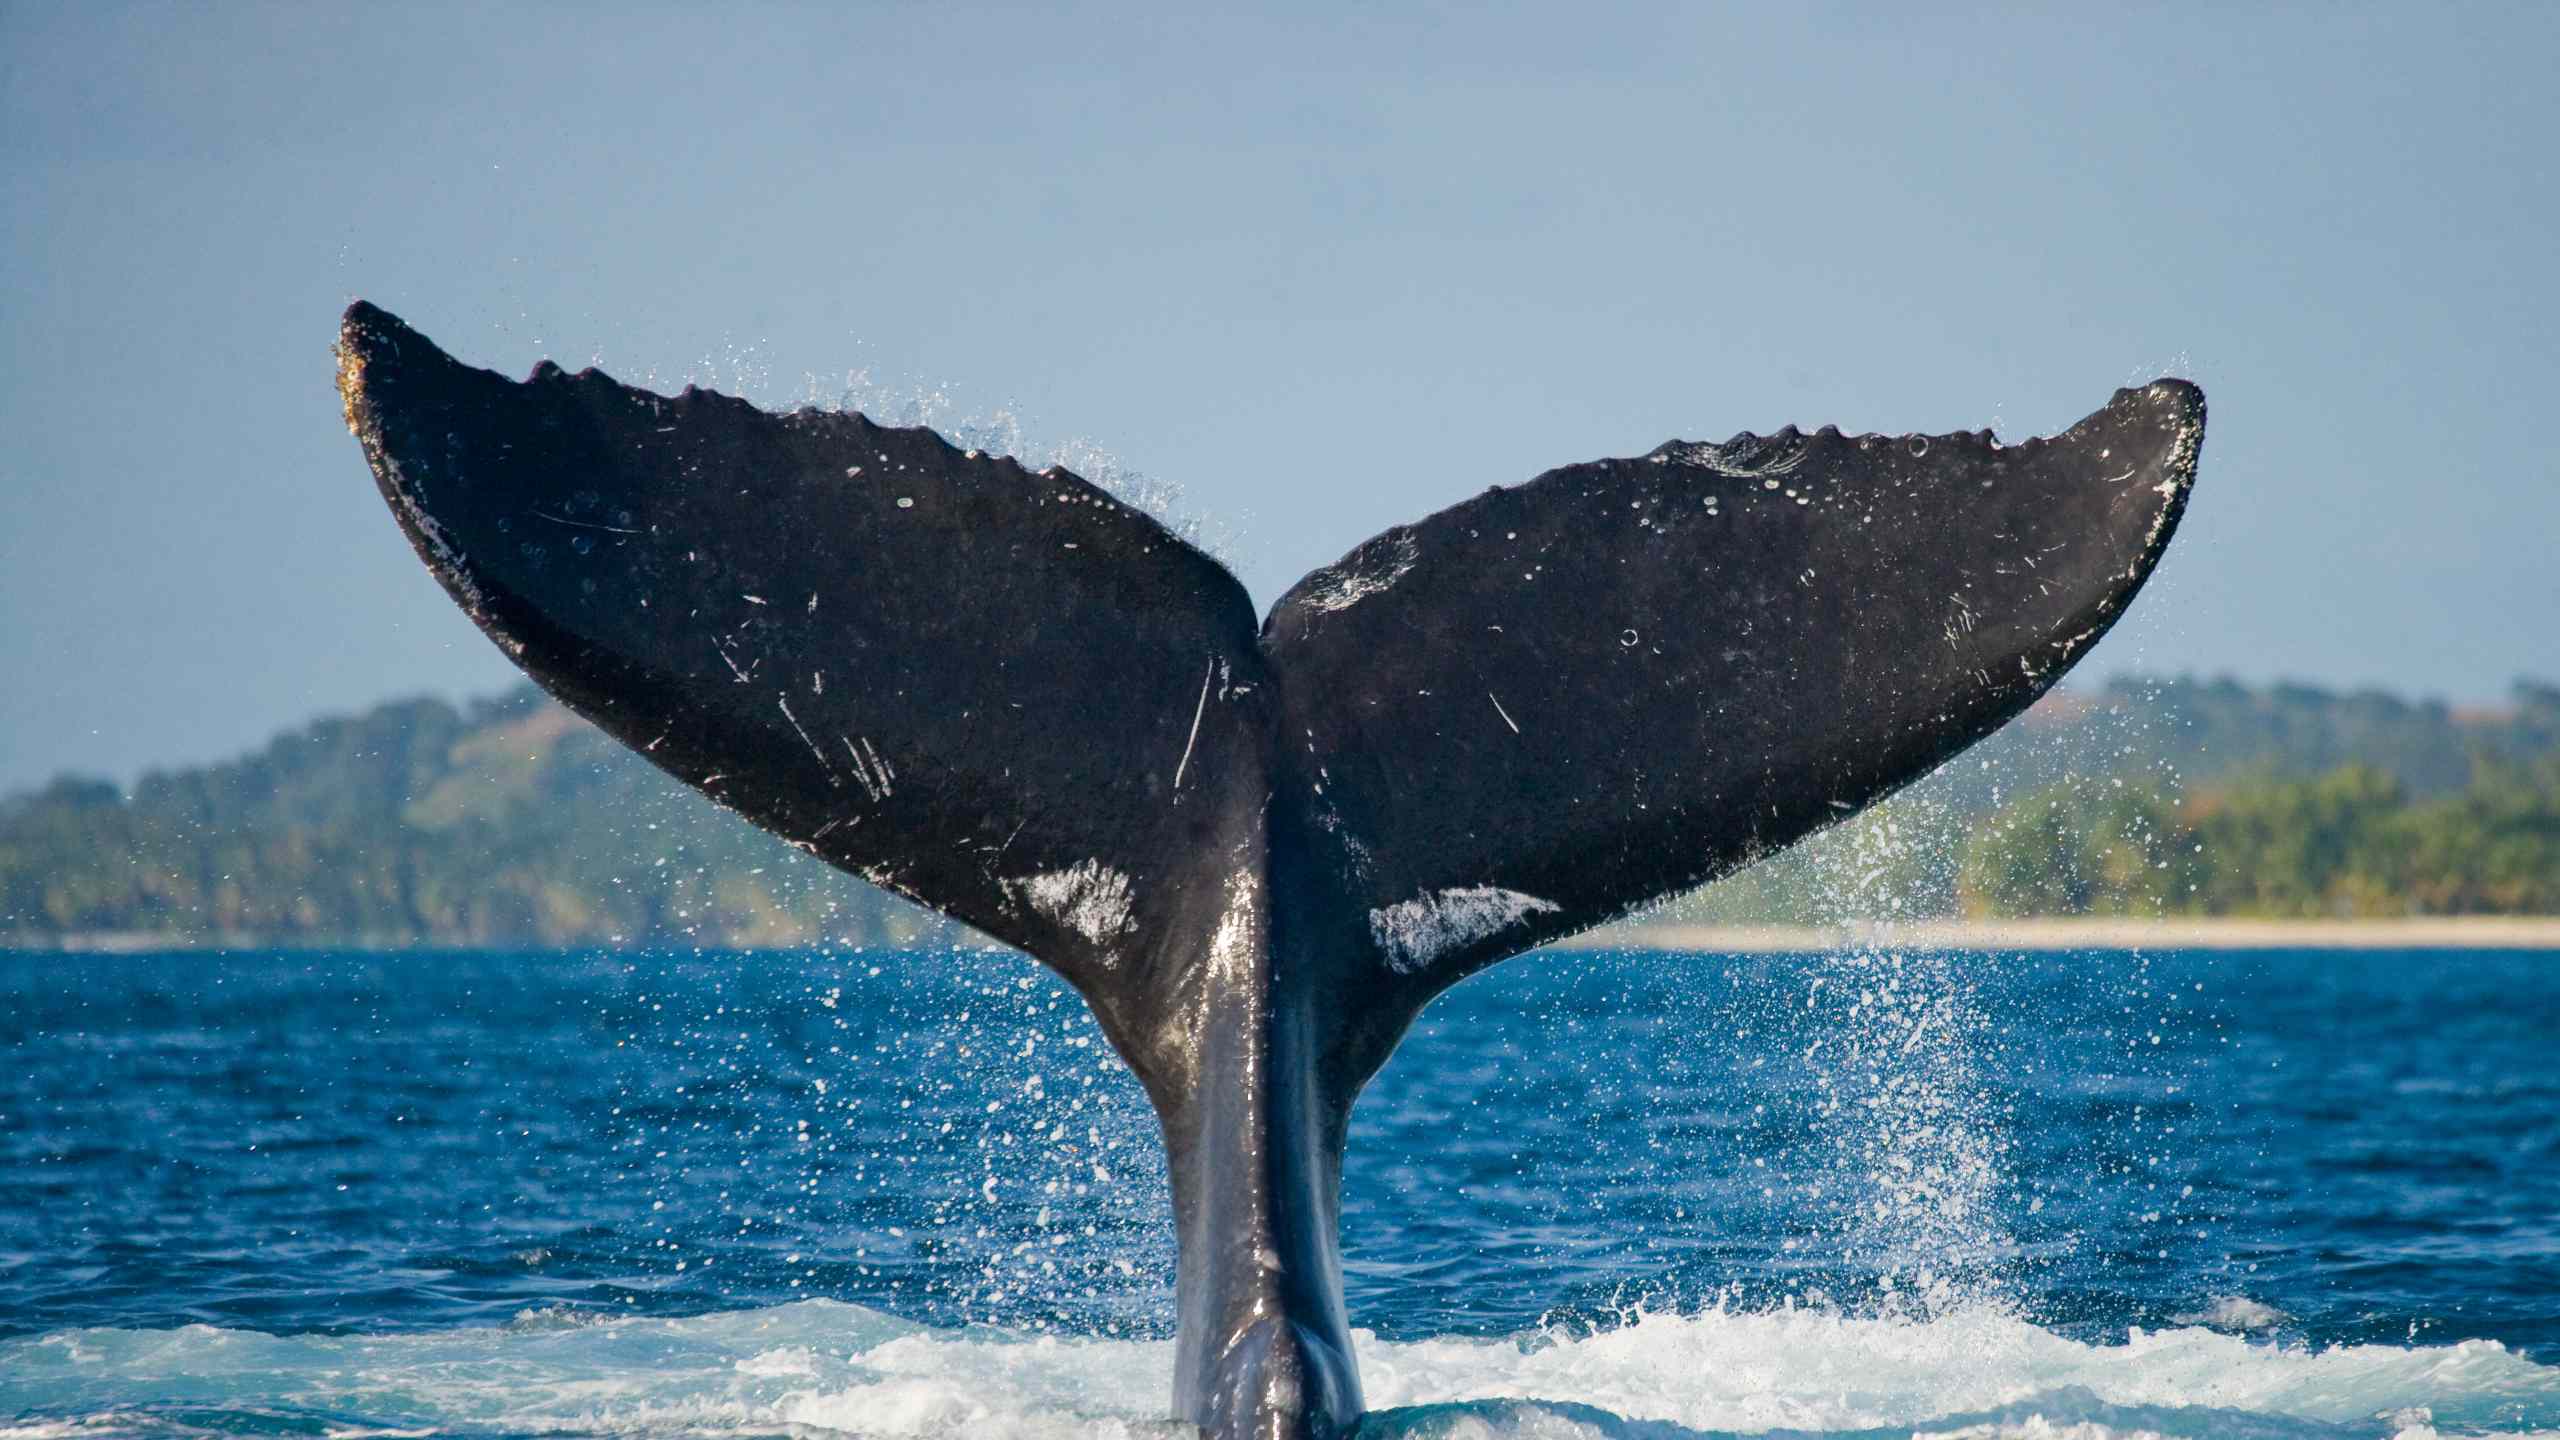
[{"x": 1259, "y": 850}]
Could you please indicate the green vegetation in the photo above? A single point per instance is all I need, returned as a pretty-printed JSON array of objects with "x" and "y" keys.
[
  {"x": 2347, "y": 844},
  {"x": 510, "y": 822},
  {"x": 2188, "y": 798}
]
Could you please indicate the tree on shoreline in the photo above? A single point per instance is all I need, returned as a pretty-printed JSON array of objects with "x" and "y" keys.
[{"x": 2346, "y": 844}]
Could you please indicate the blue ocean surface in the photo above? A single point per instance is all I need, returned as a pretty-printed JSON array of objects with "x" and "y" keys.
[{"x": 2309, "y": 1194}]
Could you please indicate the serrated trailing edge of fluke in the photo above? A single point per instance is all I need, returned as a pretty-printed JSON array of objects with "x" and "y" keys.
[{"x": 2189, "y": 396}]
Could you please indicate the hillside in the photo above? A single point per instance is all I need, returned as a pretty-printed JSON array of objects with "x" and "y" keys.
[
  {"x": 2187, "y": 798},
  {"x": 506, "y": 822},
  {"x": 511, "y": 822}
]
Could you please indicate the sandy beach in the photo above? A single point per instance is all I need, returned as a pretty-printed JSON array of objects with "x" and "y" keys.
[{"x": 2448, "y": 932}]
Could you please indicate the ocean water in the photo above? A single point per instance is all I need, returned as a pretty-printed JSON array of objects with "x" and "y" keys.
[{"x": 1869, "y": 1193}]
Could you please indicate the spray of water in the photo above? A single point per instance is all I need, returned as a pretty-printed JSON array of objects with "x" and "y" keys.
[
  {"x": 1904, "y": 1158},
  {"x": 1906, "y": 1125},
  {"x": 1004, "y": 431},
  {"x": 1010, "y": 1174}
]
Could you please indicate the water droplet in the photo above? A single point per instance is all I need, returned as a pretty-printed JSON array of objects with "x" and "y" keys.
[
  {"x": 1919, "y": 444},
  {"x": 1628, "y": 638},
  {"x": 582, "y": 543},
  {"x": 906, "y": 502}
]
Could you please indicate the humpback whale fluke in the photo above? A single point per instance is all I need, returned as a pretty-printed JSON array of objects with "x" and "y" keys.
[{"x": 1259, "y": 850}]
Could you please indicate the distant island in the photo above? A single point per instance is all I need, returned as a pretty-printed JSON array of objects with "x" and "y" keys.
[{"x": 510, "y": 822}]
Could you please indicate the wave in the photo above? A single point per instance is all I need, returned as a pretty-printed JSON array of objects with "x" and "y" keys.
[{"x": 822, "y": 1367}]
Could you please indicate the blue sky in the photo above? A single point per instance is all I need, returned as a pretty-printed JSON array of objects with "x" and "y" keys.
[{"x": 1322, "y": 269}]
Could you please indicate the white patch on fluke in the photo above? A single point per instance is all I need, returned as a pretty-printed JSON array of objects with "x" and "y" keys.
[
  {"x": 1088, "y": 897},
  {"x": 1345, "y": 586},
  {"x": 1413, "y": 933},
  {"x": 1231, "y": 946},
  {"x": 2178, "y": 473}
]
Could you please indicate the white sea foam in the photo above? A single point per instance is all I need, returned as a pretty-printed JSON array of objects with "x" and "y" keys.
[
  {"x": 2235, "y": 1312},
  {"x": 832, "y": 1368}
]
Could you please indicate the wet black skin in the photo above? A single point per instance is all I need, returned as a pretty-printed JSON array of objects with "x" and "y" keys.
[{"x": 1259, "y": 850}]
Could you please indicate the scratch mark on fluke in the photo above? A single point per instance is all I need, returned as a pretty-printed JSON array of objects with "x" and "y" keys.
[{"x": 1193, "y": 739}]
